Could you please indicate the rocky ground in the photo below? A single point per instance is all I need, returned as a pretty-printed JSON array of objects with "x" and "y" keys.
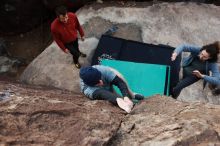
[{"x": 38, "y": 116}]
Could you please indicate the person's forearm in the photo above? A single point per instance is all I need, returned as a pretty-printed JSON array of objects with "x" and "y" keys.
[
  {"x": 212, "y": 80},
  {"x": 187, "y": 48},
  {"x": 121, "y": 85},
  {"x": 61, "y": 45},
  {"x": 59, "y": 42}
]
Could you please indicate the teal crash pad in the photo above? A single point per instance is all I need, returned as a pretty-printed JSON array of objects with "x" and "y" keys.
[{"x": 146, "y": 79}]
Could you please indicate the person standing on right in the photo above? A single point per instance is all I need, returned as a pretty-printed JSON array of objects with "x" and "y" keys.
[
  {"x": 64, "y": 30},
  {"x": 198, "y": 65}
]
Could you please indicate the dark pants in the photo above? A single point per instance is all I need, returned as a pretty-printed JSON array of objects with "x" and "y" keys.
[
  {"x": 73, "y": 47},
  {"x": 102, "y": 94},
  {"x": 186, "y": 81}
]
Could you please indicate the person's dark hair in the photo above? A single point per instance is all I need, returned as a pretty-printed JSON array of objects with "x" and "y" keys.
[
  {"x": 213, "y": 51},
  {"x": 61, "y": 10}
]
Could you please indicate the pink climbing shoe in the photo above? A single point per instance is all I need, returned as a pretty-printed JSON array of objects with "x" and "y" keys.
[
  {"x": 123, "y": 105},
  {"x": 130, "y": 103}
]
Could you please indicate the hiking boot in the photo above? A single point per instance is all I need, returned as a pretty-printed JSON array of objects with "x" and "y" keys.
[
  {"x": 82, "y": 54},
  {"x": 77, "y": 65},
  {"x": 123, "y": 105}
]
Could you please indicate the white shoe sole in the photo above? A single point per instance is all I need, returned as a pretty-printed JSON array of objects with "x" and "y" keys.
[
  {"x": 123, "y": 105},
  {"x": 130, "y": 103}
]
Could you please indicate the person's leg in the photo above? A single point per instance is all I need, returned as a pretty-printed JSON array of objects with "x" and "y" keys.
[
  {"x": 73, "y": 51},
  {"x": 102, "y": 94},
  {"x": 76, "y": 45},
  {"x": 188, "y": 80}
]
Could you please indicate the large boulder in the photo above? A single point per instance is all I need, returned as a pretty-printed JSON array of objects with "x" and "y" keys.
[
  {"x": 163, "y": 23},
  {"x": 162, "y": 121},
  {"x": 55, "y": 68}
]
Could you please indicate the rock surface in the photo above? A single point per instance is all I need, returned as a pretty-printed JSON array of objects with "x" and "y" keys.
[
  {"x": 38, "y": 116},
  {"x": 162, "y": 121},
  {"x": 55, "y": 68},
  {"x": 47, "y": 117}
]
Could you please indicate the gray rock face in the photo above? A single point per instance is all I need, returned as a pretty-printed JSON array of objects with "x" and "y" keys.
[
  {"x": 164, "y": 23},
  {"x": 54, "y": 68},
  {"x": 195, "y": 92},
  {"x": 163, "y": 121}
]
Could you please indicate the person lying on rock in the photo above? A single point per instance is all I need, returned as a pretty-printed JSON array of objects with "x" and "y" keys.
[
  {"x": 96, "y": 83},
  {"x": 64, "y": 31},
  {"x": 198, "y": 65}
]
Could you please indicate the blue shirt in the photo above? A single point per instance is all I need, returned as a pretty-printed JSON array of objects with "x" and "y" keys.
[
  {"x": 107, "y": 75},
  {"x": 210, "y": 67}
]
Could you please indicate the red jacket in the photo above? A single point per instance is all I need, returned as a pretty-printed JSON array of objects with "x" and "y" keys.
[{"x": 66, "y": 32}]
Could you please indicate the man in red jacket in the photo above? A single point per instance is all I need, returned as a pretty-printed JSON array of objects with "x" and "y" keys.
[{"x": 64, "y": 30}]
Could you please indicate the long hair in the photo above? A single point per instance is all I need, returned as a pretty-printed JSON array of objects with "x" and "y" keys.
[{"x": 213, "y": 51}]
